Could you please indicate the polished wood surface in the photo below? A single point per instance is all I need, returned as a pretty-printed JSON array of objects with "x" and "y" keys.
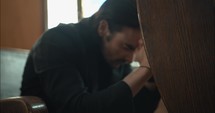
[
  {"x": 24, "y": 104},
  {"x": 179, "y": 37}
]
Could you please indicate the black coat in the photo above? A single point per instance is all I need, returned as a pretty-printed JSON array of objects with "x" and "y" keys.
[{"x": 67, "y": 70}]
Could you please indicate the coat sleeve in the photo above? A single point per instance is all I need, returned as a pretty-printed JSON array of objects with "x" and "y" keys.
[{"x": 62, "y": 83}]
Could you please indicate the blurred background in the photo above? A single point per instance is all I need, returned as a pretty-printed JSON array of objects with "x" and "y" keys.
[{"x": 23, "y": 21}]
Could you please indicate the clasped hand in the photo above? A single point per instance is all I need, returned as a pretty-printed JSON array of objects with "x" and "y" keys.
[{"x": 140, "y": 54}]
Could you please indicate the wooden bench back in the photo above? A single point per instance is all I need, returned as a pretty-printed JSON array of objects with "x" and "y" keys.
[
  {"x": 24, "y": 104},
  {"x": 179, "y": 37}
]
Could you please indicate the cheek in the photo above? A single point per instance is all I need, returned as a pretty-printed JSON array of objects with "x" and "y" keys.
[
  {"x": 118, "y": 52},
  {"x": 114, "y": 50}
]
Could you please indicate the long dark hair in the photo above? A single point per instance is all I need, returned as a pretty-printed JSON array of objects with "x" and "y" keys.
[{"x": 118, "y": 14}]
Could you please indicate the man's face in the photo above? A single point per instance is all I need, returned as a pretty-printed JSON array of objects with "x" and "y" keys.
[{"x": 119, "y": 47}]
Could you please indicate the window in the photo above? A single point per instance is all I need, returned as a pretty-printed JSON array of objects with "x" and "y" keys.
[
  {"x": 61, "y": 11},
  {"x": 93, "y": 5},
  {"x": 66, "y": 11}
]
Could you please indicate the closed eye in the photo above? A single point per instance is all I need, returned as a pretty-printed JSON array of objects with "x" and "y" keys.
[{"x": 128, "y": 47}]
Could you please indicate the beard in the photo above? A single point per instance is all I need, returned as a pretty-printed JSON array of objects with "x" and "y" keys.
[{"x": 117, "y": 63}]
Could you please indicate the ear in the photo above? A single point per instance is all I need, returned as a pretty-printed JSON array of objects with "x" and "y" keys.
[{"x": 103, "y": 28}]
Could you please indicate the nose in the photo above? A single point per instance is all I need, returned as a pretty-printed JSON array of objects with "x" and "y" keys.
[{"x": 129, "y": 58}]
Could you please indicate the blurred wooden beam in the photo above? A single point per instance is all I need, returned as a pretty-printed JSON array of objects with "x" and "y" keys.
[{"x": 80, "y": 10}]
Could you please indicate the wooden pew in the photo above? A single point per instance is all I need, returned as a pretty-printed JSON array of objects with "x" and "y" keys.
[
  {"x": 23, "y": 104},
  {"x": 179, "y": 38}
]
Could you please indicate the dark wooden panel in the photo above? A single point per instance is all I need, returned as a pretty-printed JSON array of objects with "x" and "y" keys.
[
  {"x": 179, "y": 36},
  {"x": 22, "y": 22}
]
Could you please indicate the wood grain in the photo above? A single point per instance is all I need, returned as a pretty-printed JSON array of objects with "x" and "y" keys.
[{"x": 179, "y": 37}]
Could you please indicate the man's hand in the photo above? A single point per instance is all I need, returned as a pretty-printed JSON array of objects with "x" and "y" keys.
[{"x": 140, "y": 54}]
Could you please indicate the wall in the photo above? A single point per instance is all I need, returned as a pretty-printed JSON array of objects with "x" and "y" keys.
[{"x": 22, "y": 22}]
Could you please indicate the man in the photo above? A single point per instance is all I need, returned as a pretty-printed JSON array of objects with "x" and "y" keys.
[{"x": 73, "y": 67}]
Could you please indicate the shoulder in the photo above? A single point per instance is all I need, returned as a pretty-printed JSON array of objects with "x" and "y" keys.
[
  {"x": 64, "y": 33},
  {"x": 64, "y": 37},
  {"x": 57, "y": 47}
]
